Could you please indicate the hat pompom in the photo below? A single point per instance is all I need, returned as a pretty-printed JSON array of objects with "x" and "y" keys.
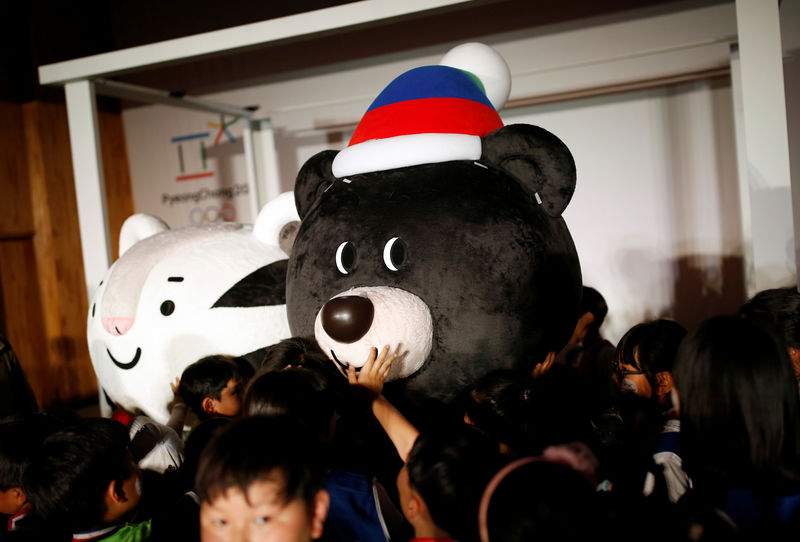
[{"x": 487, "y": 65}]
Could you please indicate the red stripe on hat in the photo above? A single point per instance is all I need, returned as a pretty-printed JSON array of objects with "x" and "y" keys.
[{"x": 427, "y": 116}]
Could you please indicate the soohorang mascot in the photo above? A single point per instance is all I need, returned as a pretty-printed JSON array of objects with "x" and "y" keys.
[
  {"x": 174, "y": 296},
  {"x": 438, "y": 231}
]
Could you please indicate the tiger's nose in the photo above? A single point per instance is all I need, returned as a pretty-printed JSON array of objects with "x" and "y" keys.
[
  {"x": 347, "y": 318},
  {"x": 117, "y": 326}
]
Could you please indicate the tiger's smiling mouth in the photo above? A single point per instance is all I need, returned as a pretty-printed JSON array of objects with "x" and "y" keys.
[{"x": 129, "y": 365}]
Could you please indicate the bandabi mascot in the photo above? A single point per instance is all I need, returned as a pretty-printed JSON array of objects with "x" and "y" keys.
[
  {"x": 176, "y": 295},
  {"x": 437, "y": 231}
]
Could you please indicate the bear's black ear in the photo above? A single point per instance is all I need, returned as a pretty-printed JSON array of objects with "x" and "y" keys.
[
  {"x": 538, "y": 159},
  {"x": 313, "y": 179}
]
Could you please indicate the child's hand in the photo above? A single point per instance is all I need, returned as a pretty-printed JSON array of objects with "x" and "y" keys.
[
  {"x": 176, "y": 397},
  {"x": 374, "y": 371},
  {"x": 541, "y": 368}
]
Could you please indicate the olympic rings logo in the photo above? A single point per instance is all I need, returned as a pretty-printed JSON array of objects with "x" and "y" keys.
[{"x": 212, "y": 213}]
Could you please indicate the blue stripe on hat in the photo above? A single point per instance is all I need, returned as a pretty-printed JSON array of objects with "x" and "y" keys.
[{"x": 431, "y": 82}]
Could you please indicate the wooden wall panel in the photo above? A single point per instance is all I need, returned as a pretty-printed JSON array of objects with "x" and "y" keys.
[
  {"x": 16, "y": 219},
  {"x": 58, "y": 251},
  {"x": 43, "y": 304},
  {"x": 20, "y": 303},
  {"x": 22, "y": 306}
]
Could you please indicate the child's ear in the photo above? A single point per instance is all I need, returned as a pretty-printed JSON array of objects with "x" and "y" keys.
[
  {"x": 414, "y": 507},
  {"x": 17, "y": 496},
  {"x": 208, "y": 405},
  {"x": 664, "y": 383},
  {"x": 115, "y": 493},
  {"x": 319, "y": 512}
]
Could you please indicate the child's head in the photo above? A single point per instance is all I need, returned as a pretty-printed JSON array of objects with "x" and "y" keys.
[
  {"x": 83, "y": 476},
  {"x": 779, "y": 308},
  {"x": 444, "y": 477},
  {"x": 739, "y": 406},
  {"x": 296, "y": 391},
  {"x": 525, "y": 415},
  {"x": 532, "y": 499},
  {"x": 213, "y": 385},
  {"x": 495, "y": 404},
  {"x": 303, "y": 352},
  {"x": 20, "y": 438},
  {"x": 592, "y": 314},
  {"x": 294, "y": 351},
  {"x": 262, "y": 477},
  {"x": 195, "y": 443},
  {"x": 645, "y": 356}
]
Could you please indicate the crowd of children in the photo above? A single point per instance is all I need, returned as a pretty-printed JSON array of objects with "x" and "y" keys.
[{"x": 669, "y": 435}]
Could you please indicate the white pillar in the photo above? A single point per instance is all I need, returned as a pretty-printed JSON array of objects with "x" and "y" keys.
[
  {"x": 270, "y": 180},
  {"x": 766, "y": 144},
  {"x": 741, "y": 163},
  {"x": 87, "y": 167},
  {"x": 255, "y": 198}
]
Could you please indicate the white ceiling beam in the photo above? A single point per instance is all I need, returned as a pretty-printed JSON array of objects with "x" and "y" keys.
[
  {"x": 139, "y": 93},
  {"x": 233, "y": 39}
]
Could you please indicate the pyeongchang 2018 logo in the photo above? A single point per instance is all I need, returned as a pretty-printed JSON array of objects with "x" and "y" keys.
[
  {"x": 222, "y": 211},
  {"x": 194, "y": 163}
]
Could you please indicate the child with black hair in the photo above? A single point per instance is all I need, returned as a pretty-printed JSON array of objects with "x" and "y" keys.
[
  {"x": 299, "y": 391},
  {"x": 587, "y": 352},
  {"x": 214, "y": 385},
  {"x": 314, "y": 377},
  {"x": 84, "y": 480},
  {"x": 647, "y": 458},
  {"x": 533, "y": 498},
  {"x": 445, "y": 467},
  {"x": 525, "y": 415},
  {"x": 360, "y": 508},
  {"x": 262, "y": 478},
  {"x": 295, "y": 352},
  {"x": 176, "y": 493},
  {"x": 441, "y": 483},
  {"x": 740, "y": 430},
  {"x": 20, "y": 438},
  {"x": 780, "y": 309}
]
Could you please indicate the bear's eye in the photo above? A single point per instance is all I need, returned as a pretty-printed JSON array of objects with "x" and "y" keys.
[
  {"x": 346, "y": 258},
  {"x": 394, "y": 253},
  {"x": 93, "y": 307},
  {"x": 167, "y": 307}
]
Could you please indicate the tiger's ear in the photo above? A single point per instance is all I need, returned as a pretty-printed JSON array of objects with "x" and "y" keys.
[
  {"x": 277, "y": 223},
  {"x": 137, "y": 227},
  {"x": 537, "y": 159}
]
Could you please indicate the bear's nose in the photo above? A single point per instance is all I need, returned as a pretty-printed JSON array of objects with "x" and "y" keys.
[{"x": 347, "y": 318}]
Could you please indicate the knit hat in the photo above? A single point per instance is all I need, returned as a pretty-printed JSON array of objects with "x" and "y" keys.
[{"x": 431, "y": 114}]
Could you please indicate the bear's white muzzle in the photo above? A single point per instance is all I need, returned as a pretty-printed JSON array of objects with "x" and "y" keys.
[{"x": 354, "y": 321}]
